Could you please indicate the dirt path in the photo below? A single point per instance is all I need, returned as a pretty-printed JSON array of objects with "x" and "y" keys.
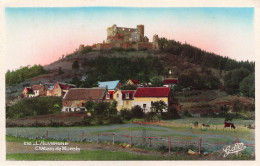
[{"x": 18, "y": 147}]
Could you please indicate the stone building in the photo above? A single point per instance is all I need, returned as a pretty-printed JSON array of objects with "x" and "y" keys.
[{"x": 122, "y": 37}]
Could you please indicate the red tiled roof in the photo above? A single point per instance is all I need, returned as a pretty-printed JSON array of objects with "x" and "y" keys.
[
  {"x": 85, "y": 94},
  {"x": 37, "y": 87},
  {"x": 134, "y": 81},
  {"x": 152, "y": 92},
  {"x": 131, "y": 94},
  {"x": 65, "y": 86},
  {"x": 29, "y": 90},
  {"x": 170, "y": 81}
]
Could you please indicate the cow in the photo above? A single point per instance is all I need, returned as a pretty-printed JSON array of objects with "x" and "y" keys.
[
  {"x": 196, "y": 124},
  {"x": 226, "y": 124},
  {"x": 205, "y": 125}
]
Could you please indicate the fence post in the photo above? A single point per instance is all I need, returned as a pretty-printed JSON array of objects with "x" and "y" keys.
[
  {"x": 199, "y": 145},
  {"x": 46, "y": 133},
  {"x": 98, "y": 138},
  {"x": 237, "y": 140},
  {"x": 130, "y": 141},
  {"x": 169, "y": 144},
  {"x": 149, "y": 142},
  {"x": 68, "y": 136},
  {"x": 113, "y": 138},
  {"x": 82, "y": 137}
]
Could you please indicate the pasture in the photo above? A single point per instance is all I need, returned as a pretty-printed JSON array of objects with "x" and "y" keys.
[{"x": 182, "y": 131}]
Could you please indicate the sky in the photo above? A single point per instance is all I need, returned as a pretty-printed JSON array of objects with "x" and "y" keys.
[{"x": 41, "y": 35}]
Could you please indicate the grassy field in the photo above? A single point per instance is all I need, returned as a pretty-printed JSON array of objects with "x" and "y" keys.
[
  {"x": 92, "y": 155},
  {"x": 112, "y": 154}
]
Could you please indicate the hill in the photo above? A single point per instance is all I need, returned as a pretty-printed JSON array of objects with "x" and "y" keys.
[{"x": 205, "y": 80}]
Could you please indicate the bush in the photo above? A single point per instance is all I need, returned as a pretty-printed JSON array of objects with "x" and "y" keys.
[
  {"x": 152, "y": 116},
  {"x": 171, "y": 114},
  {"x": 125, "y": 114},
  {"x": 99, "y": 119},
  {"x": 115, "y": 120},
  {"x": 87, "y": 121},
  {"x": 187, "y": 113},
  {"x": 143, "y": 49},
  {"x": 34, "y": 106},
  {"x": 137, "y": 112}
]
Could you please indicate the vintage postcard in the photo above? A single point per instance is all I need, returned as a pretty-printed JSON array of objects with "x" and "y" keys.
[{"x": 130, "y": 82}]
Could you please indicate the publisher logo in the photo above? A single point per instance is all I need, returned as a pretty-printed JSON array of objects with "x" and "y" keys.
[{"x": 238, "y": 147}]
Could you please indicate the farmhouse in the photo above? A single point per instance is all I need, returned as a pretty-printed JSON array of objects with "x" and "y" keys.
[
  {"x": 111, "y": 86},
  {"x": 61, "y": 88},
  {"x": 144, "y": 97},
  {"x": 49, "y": 87},
  {"x": 28, "y": 92},
  {"x": 34, "y": 91},
  {"x": 124, "y": 99},
  {"x": 75, "y": 98}
]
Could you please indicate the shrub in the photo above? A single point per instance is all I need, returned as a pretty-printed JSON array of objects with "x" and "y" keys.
[
  {"x": 99, "y": 119},
  {"x": 137, "y": 112},
  {"x": 125, "y": 114},
  {"x": 171, "y": 114},
  {"x": 152, "y": 116},
  {"x": 115, "y": 120},
  {"x": 187, "y": 113},
  {"x": 34, "y": 106},
  {"x": 143, "y": 49},
  {"x": 87, "y": 121}
]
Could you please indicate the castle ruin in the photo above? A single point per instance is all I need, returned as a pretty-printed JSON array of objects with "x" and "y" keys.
[{"x": 121, "y": 37}]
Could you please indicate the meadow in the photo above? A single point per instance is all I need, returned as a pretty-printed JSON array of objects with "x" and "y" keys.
[{"x": 182, "y": 131}]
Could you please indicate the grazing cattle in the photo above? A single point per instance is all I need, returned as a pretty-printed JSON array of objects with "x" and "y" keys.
[
  {"x": 196, "y": 124},
  {"x": 205, "y": 125},
  {"x": 249, "y": 126},
  {"x": 226, "y": 124}
]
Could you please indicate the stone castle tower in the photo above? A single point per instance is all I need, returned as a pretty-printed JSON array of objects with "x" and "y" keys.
[{"x": 123, "y": 37}]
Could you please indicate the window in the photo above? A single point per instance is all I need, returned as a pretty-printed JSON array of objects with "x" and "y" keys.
[
  {"x": 75, "y": 109},
  {"x": 144, "y": 105},
  {"x": 69, "y": 109},
  {"x": 111, "y": 96},
  {"x": 66, "y": 110},
  {"x": 107, "y": 96},
  {"x": 127, "y": 95}
]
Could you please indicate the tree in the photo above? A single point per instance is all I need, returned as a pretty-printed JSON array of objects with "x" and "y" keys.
[
  {"x": 162, "y": 43},
  {"x": 75, "y": 65},
  {"x": 233, "y": 78},
  {"x": 112, "y": 109},
  {"x": 101, "y": 109},
  {"x": 128, "y": 87},
  {"x": 156, "y": 81},
  {"x": 90, "y": 81},
  {"x": 247, "y": 86},
  {"x": 89, "y": 105},
  {"x": 159, "y": 106}
]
